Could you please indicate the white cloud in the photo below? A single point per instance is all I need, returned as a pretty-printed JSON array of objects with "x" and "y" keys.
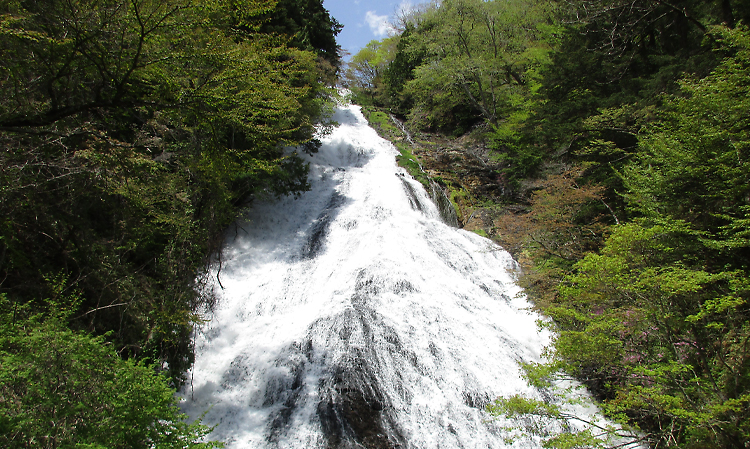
[{"x": 378, "y": 24}]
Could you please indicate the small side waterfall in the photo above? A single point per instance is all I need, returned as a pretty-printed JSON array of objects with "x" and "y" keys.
[
  {"x": 444, "y": 205},
  {"x": 355, "y": 317},
  {"x": 437, "y": 193},
  {"x": 403, "y": 130}
]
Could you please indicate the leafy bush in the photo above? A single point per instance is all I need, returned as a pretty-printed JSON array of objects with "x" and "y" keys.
[{"x": 62, "y": 389}]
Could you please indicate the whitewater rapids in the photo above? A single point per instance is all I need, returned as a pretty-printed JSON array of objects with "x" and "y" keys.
[{"x": 352, "y": 316}]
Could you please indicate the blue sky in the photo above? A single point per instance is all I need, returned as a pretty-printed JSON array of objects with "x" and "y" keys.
[{"x": 363, "y": 20}]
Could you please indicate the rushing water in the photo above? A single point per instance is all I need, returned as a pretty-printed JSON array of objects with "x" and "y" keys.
[{"x": 354, "y": 317}]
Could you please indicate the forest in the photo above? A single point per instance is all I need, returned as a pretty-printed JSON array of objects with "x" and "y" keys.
[
  {"x": 132, "y": 133},
  {"x": 613, "y": 140}
]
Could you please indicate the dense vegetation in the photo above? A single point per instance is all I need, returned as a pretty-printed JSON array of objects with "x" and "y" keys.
[
  {"x": 130, "y": 134},
  {"x": 623, "y": 128}
]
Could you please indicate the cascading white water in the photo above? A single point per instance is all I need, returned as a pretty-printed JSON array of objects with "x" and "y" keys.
[{"x": 353, "y": 317}]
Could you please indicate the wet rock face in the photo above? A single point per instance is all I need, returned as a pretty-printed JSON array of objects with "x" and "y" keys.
[
  {"x": 412, "y": 196},
  {"x": 354, "y": 411},
  {"x": 353, "y": 414},
  {"x": 321, "y": 226},
  {"x": 439, "y": 196}
]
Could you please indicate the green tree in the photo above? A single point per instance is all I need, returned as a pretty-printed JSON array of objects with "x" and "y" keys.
[
  {"x": 693, "y": 162},
  {"x": 309, "y": 25},
  {"x": 561, "y": 225},
  {"x": 364, "y": 73},
  {"x": 130, "y": 132},
  {"x": 400, "y": 70},
  {"x": 64, "y": 389},
  {"x": 657, "y": 323},
  {"x": 478, "y": 56},
  {"x": 613, "y": 62}
]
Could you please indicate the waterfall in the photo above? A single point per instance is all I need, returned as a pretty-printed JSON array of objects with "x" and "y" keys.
[
  {"x": 403, "y": 129},
  {"x": 353, "y": 316},
  {"x": 437, "y": 193}
]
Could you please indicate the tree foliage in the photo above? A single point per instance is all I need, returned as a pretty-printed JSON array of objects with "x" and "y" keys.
[
  {"x": 478, "y": 57},
  {"x": 130, "y": 134},
  {"x": 460, "y": 62},
  {"x": 365, "y": 71},
  {"x": 657, "y": 322},
  {"x": 561, "y": 225},
  {"x": 61, "y": 388},
  {"x": 309, "y": 25}
]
